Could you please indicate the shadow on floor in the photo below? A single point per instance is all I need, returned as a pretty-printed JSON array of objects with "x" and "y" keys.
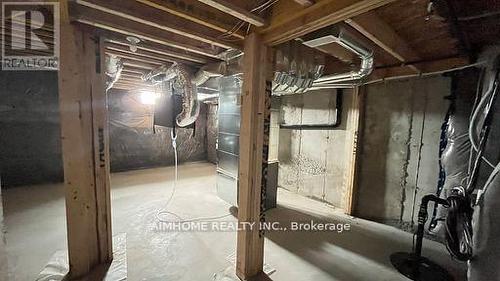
[{"x": 339, "y": 254}]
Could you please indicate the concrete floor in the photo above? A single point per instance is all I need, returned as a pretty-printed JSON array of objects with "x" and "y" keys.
[{"x": 35, "y": 221}]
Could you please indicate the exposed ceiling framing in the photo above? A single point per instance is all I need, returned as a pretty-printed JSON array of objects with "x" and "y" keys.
[{"x": 197, "y": 32}]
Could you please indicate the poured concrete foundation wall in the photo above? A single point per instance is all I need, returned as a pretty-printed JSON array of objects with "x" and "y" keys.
[
  {"x": 400, "y": 147},
  {"x": 30, "y": 137},
  {"x": 312, "y": 162}
]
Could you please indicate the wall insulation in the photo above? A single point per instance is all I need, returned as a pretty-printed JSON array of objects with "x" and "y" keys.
[
  {"x": 30, "y": 138},
  {"x": 133, "y": 142}
]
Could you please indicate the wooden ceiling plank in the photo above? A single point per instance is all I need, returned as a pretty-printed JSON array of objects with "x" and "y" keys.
[
  {"x": 378, "y": 31},
  {"x": 235, "y": 11},
  {"x": 153, "y": 17},
  {"x": 127, "y": 27},
  {"x": 319, "y": 15},
  {"x": 199, "y": 19}
]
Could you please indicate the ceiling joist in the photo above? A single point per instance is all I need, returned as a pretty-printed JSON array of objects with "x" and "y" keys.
[
  {"x": 235, "y": 11},
  {"x": 128, "y": 27},
  {"x": 138, "y": 65},
  {"x": 292, "y": 23},
  {"x": 141, "y": 53},
  {"x": 195, "y": 15},
  {"x": 425, "y": 68},
  {"x": 150, "y": 16},
  {"x": 158, "y": 49},
  {"x": 375, "y": 29},
  {"x": 305, "y": 3},
  {"x": 135, "y": 57}
]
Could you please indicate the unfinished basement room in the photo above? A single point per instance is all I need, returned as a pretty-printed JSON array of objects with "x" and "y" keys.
[{"x": 259, "y": 140}]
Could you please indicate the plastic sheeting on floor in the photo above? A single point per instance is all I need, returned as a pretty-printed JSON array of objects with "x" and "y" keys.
[{"x": 58, "y": 266}]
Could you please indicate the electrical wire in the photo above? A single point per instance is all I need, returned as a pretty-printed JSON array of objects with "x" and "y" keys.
[
  {"x": 165, "y": 212},
  {"x": 479, "y": 16},
  {"x": 490, "y": 179},
  {"x": 259, "y": 9},
  {"x": 489, "y": 94}
]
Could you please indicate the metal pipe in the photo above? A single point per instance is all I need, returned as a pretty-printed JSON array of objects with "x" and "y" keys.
[
  {"x": 336, "y": 124},
  {"x": 286, "y": 83}
]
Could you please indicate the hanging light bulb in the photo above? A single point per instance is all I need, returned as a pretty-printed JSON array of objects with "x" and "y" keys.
[{"x": 133, "y": 41}]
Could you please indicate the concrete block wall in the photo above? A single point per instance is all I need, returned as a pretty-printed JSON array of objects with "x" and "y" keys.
[{"x": 402, "y": 126}]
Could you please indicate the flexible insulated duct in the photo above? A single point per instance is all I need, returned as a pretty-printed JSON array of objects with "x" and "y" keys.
[
  {"x": 114, "y": 67},
  {"x": 188, "y": 84},
  {"x": 181, "y": 77}
]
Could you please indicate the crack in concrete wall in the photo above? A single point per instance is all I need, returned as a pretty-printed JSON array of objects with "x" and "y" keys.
[{"x": 389, "y": 154}]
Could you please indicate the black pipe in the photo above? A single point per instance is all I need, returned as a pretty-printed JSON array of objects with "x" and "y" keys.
[
  {"x": 422, "y": 218},
  {"x": 338, "y": 118}
]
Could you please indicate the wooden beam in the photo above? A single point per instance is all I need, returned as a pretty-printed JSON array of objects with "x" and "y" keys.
[
  {"x": 132, "y": 71},
  {"x": 150, "y": 16},
  {"x": 85, "y": 148},
  {"x": 160, "y": 50},
  {"x": 425, "y": 67},
  {"x": 378, "y": 31},
  {"x": 127, "y": 74},
  {"x": 293, "y": 23},
  {"x": 138, "y": 65},
  {"x": 353, "y": 129},
  {"x": 305, "y": 3},
  {"x": 134, "y": 57},
  {"x": 235, "y": 11},
  {"x": 126, "y": 86},
  {"x": 128, "y": 27},
  {"x": 199, "y": 18},
  {"x": 144, "y": 53},
  {"x": 254, "y": 137}
]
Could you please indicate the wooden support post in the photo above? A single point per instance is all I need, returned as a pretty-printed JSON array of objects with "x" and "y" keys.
[
  {"x": 85, "y": 147},
  {"x": 353, "y": 127},
  {"x": 254, "y": 143}
]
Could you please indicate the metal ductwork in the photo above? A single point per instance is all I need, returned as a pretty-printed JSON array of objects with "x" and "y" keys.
[
  {"x": 186, "y": 83},
  {"x": 114, "y": 67},
  {"x": 292, "y": 83},
  {"x": 344, "y": 39}
]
